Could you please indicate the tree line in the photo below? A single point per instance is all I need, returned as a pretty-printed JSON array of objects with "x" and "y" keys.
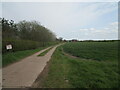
[
  {"x": 26, "y": 30},
  {"x": 25, "y": 35}
]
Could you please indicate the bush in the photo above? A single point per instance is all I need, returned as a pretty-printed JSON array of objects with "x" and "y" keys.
[{"x": 19, "y": 45}]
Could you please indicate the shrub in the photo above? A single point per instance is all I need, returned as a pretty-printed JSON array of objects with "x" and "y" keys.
[{"x": 19, "y": 45}]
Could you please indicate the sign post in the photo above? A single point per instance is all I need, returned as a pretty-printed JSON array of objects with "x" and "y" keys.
[{"x": 9, "y": 47}]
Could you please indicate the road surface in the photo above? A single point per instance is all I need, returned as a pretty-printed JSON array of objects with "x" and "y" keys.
[{"x": 23, "y": 73}]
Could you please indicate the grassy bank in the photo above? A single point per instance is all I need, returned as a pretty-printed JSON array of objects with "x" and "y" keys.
[
  {"x": 15, "y": 56},
  {"x": 43, "y": 53},
  {"x": 67, "y": 72}
]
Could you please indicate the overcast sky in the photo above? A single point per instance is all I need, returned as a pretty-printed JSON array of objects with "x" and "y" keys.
[{"x": 78, "y": 20}]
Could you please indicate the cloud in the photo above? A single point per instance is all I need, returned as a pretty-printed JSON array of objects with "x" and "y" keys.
[
  {"x": 65, "y": 19},
  {"x": 61, "y": 17},
  {"x": 109, "y": 32}
]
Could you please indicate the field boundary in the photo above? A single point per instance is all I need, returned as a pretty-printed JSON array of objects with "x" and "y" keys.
[
  {"x": 75, "y": 57},
  {"x": 38, "y": 83}
]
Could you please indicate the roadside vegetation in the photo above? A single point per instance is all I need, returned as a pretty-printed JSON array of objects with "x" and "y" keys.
[
  {"x": 46, "y": 51},
  {"x": 26, "y": 30},
  {"x": 12, "y": 57},
  {"x": 67, "y": 72},
  {"x": 26, "y": 38},
  {"x": 25, "y": 35},
  {"x": 21, "y": 45}
]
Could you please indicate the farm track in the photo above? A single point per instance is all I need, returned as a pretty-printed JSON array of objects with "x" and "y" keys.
[{"x": 25, "y": 72}]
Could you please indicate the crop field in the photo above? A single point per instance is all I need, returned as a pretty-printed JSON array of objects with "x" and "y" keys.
[
  {"x": 99, "y": 69},
  {"x": 93, "y": 50}
]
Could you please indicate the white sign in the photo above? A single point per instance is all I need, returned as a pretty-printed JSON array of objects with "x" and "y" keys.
[{"x": 9, "y": 46}]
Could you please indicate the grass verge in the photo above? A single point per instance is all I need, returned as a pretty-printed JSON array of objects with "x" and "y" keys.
[
  {"x": 16, "y": 56},
  {"x": 67, "y": 72},
  {"x": 46, "y": 51}
]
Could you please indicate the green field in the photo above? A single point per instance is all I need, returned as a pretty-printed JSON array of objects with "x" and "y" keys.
[
  {"x": 67, "y": 72},
  {"x": 93, "y": 50}
]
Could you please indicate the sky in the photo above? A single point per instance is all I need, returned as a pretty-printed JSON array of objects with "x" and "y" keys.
[{"x": 70, "y": 20}]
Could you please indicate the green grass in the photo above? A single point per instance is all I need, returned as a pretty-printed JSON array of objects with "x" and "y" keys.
[
  {"x": 16, "y": 56},
  {"x": 58, "y": 71},
  {"x": 93, "y": 50},
  {"x": 46, "y": 51},
  {"x": 67, "y": 72}
]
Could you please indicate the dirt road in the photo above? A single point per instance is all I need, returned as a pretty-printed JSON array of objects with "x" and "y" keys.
[{"x": 25, "y": 72}]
